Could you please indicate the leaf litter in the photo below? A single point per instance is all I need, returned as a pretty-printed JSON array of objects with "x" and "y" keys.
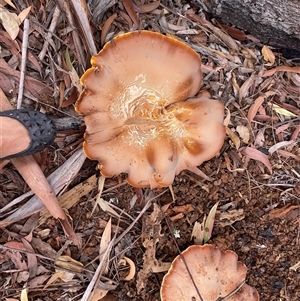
[{"x": 257, "y": 167}]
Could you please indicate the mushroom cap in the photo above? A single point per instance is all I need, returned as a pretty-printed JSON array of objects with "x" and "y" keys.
[
  {"x": 215, "y": 273},
  {"x": 139, "y": 112}
]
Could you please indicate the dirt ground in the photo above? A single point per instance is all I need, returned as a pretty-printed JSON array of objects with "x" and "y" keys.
[{"x": 258, "y": 196}]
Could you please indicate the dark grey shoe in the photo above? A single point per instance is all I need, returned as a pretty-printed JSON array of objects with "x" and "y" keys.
[{"x": 41, "y": 129}]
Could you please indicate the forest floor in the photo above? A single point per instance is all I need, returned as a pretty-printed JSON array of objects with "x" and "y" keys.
[{"x": 255, "y": 179}]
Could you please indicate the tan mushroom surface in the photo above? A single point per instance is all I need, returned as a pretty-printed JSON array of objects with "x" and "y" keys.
[
  {"x": 142, "y": 113},
  {"x": 216, "y": 274}
]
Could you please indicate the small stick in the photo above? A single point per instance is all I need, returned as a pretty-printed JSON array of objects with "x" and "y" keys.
[
  {"x": 52, "y": 27},
  {"x": 23, "y": 62}
]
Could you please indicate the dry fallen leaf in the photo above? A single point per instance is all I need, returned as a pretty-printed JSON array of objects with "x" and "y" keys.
[
  {"x": 24, "y": 296},
  {"x": 104, "y": 243},
  {"x": 131, "y": 11},
  {"x": 244, "y": 133},
  {"x": 254, "y": 107},
  {"x": 279, "y": 145},
  {"x": 227, "y": 218},
  {"x": 268, "y": 55},
  {"x": 106, "y": 27},
  {"x": 255, "y": 154},
  {"x": 295, "y": 267},
  {"x": 23, "y": 14},
  {"x": 132, "y": 269},
  {"x": 281, "y": 68},
  {"x": 9, "y": 2},
  {"x": 148, "y": 7},
  {"x": 10, "y": 22},
  {"x": 67, "y": 268},
  {"x": 282, "y": 111},
  {"x": 234, "y": 138},
  {"x": 198, "y": 232}
]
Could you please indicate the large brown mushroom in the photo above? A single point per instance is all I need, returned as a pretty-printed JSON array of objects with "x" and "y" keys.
[
  {"x": 141, "y": 113},
  {"x": 216, "y": 274}
]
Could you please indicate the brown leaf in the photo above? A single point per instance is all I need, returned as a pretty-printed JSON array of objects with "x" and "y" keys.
[
  {"x": 255, "y": 154},
  {"x": 83, "y": 21},
  {"x": 254, "y": 107},
  {"x": 106, "y": 27},
  {"x": 296, "y": 133},
  {"x": 281, "y": 212},
  {"x": 282, "y": 128},
  {"x": 16, "y": 256},
  {"x": 230, "y": 42},
  {"x": 281, "y": 68},
  {"x": 287, "y": 154},
  {"x": 131, "y": 11},
  {"x": 6, "y": 84},
  {"x": 246, "y": 86},
  {"x": 148, "y": 7},
  {"x": 127, "y": 18},
  {"x": 31, "y": 258},
  {"x": 268, "y": 55},
  {"x": 235, "y": 33},
  {"x": 34, "y": 86}
]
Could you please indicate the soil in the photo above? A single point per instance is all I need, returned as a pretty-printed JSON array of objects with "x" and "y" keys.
[{"x": 258, "y": 214}]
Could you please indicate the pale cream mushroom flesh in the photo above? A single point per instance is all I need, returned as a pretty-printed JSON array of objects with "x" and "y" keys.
[
  {"x": 142, "y": 113},
  {"x": 215, "y": 273}
]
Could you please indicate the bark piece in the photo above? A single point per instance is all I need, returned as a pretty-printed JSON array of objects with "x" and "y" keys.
[{"x": 274, "y": 22}]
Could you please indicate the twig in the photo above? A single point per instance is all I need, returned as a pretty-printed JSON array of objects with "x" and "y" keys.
[
  {"x": 183, "y": 259},
  {"x": 52, "y": 27},
  {"x": 232, "y": 293},
  {"x": 147, "y": 205},
  {"x": 23, "y": 62}
]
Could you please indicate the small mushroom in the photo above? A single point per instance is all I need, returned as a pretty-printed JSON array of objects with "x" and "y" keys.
[
  {"x": 215, "y": 273},
  {"x": 142, "y": 113}
]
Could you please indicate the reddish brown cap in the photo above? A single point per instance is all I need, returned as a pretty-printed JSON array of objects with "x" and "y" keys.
[
  {"x": 139, "y": 115},
  {"x": 216, "y": 274}
]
